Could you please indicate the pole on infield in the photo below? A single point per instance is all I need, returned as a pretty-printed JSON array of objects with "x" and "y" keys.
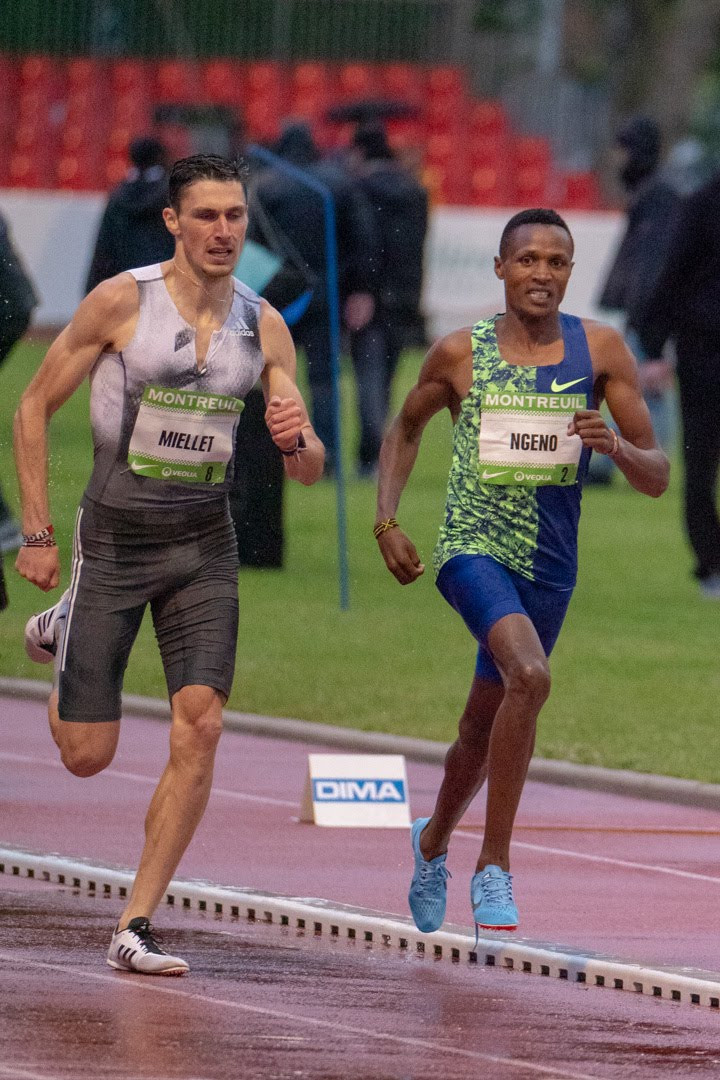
[{"x": 333, "y": 296}]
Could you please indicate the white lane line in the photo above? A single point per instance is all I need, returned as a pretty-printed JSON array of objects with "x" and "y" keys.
[
  {"x": 241, "y": 796},
  {"x": 564, "y": 853},
  {"x": 293, "y": 1018},
  {"x": 21, "y": 1072},
  {"x": 139, "y": 778}
]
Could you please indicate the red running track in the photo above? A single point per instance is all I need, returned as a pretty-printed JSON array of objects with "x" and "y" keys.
[{"x": 608, "y": 873}]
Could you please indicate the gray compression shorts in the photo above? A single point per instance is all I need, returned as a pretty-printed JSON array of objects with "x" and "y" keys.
[{"x": 184, "y": 564}]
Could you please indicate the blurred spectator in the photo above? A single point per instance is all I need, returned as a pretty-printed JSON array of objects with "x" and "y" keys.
[
  {"x": 297, "y": 216},
  {"x": 18, "y": 300},
  {"x": 652, "y": 202},
  {"x": 400, "y": 206},
  {"x": 132, "y": 231},
  {"x": 685, "y": 306}
]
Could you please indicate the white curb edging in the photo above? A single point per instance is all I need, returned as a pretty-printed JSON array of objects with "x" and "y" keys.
[{"x": 340, "y": 921}]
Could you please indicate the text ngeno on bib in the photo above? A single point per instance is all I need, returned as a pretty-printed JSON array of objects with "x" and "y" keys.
[
  {"x": 524, "y": 441},
  {"x": 183, "y": 435}
]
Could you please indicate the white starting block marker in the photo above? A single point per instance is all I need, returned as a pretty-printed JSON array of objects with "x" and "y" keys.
[{"x": 356, "y": 790}]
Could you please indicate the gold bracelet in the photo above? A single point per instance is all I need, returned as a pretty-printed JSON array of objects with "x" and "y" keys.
[
  {"x": 383, "y": 526},
  {"x": 616, "y": 443}
]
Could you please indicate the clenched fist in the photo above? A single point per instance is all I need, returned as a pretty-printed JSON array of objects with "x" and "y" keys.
[{"x": 284, "y": 419}]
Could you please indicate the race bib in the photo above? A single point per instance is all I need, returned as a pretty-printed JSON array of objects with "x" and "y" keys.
[
  {"x": 183, "y": 435},
  {"x": 524, "y": 441}
]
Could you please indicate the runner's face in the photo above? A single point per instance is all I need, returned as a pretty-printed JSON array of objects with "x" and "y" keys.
[
  {"x": 210, "y": 225},
  {"x": 535, "y": 269}
]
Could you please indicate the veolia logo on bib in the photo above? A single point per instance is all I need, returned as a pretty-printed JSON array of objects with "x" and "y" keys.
[{"x": 353, "y": 791}]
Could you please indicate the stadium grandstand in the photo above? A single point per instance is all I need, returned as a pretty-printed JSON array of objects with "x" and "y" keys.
[{"x": 76, "y": 88}]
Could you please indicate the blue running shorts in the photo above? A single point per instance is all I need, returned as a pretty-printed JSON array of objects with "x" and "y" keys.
[{"x": 482, "y": 591}]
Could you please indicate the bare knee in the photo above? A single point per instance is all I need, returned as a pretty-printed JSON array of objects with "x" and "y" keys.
[
  {"x": 206, "y": 729},
  {"x": 529, "y": 683},
  {"x": 197, "y": 722},
  {"x": 82, "y": 763}
]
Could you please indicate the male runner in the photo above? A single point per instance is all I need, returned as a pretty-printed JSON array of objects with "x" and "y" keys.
[
  {"x": 171, "y": 350},
  {"x": 523, "y": 389}
]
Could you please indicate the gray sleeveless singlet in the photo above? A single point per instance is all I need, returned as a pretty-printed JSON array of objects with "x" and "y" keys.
[{"x": 162, "y": 353}]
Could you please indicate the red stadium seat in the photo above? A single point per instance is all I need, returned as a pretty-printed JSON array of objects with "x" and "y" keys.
[
  {"x": 446, "y": 184},
  {"x": 176, "y": 81},
  {"x": 39, "y": 71},
  {"x": 265, "y": 78},
  {"x": 310, "y": 92},
  {"x": 580, "y": 191},
  {"x": 222, "y": 82},
  {"x": 129, "y": 77},
  {"x": 30, "y": 167},
  {"x": 531, "y": 171},
  {"x": 357, "y": 81},
  {"x": 84, "y": 75},
  {"x": 402, "y": 82},
  {"x": 81, "y": 171},
  {"x": 488, "y": 185},
  {"x": 265, "y": 101},
  {"x": 487, "y": 119},
  {"x": 446, "y": 82},
  {"x": 262, "y": 118},
  {"x": 441, "y": 113}
]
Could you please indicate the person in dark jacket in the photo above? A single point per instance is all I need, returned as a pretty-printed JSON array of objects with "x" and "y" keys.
[
  {"x": 132, "y": 231},
  {"x": 18, "y": 302},
  {"x": 652, "y": 202},
  {"x": 296, "y": 215},
  {"x": 685, "y": 306},
  {"x": 400, "y": 207}
]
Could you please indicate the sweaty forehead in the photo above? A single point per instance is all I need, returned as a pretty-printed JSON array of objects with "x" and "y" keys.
[
  {"x": 546, "y": 238},
  {"x": 212, "y": 194}
]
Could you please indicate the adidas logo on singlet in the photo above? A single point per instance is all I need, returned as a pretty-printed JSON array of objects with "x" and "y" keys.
[{"x": 241, "y": 329}]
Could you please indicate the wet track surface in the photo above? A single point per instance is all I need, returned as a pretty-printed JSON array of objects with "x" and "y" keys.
[
  {"x": 270, "y": 1003},
  {"x": 607, "y": 873}
]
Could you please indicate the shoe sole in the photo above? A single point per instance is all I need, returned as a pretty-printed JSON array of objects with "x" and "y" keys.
[
  {"x": 487, "y": 926},
  {"x": 37, "y": 653},
  {"x": 134, "y": 971}
]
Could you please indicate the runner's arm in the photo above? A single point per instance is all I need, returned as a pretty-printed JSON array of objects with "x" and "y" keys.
[
  {"x": 286, "y": 415},
  {"x": 67, "y": 363},
  {"x": 636, "y": 454},
  {"x": 433, "y": 391}
]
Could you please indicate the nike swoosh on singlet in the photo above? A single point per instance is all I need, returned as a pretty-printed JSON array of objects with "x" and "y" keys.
[
  {"x": 557, "y": 388},
  {"x": 491, "y": 475}
]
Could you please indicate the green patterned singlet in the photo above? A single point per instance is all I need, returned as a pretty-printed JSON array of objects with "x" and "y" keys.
[{"x": 487, "y": 519}]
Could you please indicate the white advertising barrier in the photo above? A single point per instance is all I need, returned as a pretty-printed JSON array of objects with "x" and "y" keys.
[
  {"x": 55, "y": 235},
  {"x": 460, "y": 285},
  {"x": 357, "y": 791}
]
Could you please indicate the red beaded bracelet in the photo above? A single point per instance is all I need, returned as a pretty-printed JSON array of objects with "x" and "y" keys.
[{"x": 42, "y": 538}]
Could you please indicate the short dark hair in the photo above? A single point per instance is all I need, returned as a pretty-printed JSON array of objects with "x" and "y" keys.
[
  {"x": 536, "y": 216},
  {"x": 187, "y": 170}
]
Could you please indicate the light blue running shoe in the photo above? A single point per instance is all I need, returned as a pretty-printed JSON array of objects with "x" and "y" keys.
[
  {"x": 428, "y": 889},
  {"x": 492, "y": 901}
]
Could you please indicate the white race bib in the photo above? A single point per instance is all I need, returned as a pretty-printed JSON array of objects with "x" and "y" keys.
[
  {"x": 524, "y": 441},
  {"x": 183, "y": 435}
]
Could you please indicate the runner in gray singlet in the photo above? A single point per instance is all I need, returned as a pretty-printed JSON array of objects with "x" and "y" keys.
[{"x": 171, "y": 350}]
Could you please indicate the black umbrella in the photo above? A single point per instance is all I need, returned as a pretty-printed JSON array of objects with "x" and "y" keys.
[{"x": 372, "y": 110}]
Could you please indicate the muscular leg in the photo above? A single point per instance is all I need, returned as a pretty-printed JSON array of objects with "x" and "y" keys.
[
  {"x": 181, "y": 796},
  {"x": 85, "y": 749},
  {"x": 497, "y": 737}
]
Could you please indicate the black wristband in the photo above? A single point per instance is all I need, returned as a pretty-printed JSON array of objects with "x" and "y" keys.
[{"x": 299, "y": 445}]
